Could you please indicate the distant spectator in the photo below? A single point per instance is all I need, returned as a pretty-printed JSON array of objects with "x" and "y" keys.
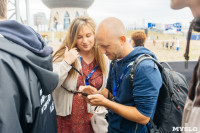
[
  {"x": 154, "y": 42},
  {"x": 177, "y": 45},
  {"x": 166, "y": 45},
  {"x": 138, "y": 38},
  {"x": 163, "y": 43},
  {"x": 171, "y": 45}
]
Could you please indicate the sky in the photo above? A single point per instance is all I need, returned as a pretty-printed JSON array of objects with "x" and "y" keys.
[{"x": 138, "y": 12}]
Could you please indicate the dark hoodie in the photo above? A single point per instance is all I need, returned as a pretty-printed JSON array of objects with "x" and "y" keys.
[
  {"x": 142, "y": 94},
  {"x": 24, "y": 36},
  {"x": 26, "y": 81}
]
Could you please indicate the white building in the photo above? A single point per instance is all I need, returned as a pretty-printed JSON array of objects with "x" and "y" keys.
[{"x": 64, "y": 11}]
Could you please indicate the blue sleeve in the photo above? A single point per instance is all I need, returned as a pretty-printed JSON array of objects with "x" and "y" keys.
[{"x": 146, "y": 86}]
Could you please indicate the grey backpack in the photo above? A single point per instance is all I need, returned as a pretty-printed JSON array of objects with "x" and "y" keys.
[{"x": 171, "y": 99}]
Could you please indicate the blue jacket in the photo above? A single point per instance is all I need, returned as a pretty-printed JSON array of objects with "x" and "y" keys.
[{"x": 142, "y": 94}]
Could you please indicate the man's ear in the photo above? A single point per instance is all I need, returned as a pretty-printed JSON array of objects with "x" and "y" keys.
[{"x": 123, "y": 38}]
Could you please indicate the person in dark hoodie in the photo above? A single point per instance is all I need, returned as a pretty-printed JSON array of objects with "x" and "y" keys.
[
  {"x": 131, "y": 105},
  {"x": 191, "y": 112},
  {"x": 26, "y": 79}
]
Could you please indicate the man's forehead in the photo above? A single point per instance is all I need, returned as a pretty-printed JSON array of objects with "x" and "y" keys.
[
  {"x": 100, "y": 36},
  {"x": 102, "y": 41}
]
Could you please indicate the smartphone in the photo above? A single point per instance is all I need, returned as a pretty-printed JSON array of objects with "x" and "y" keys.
[{"x": 82, "y": 93}]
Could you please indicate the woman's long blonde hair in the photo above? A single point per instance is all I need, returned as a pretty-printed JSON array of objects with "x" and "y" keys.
[{"x": 70, "y": 42}]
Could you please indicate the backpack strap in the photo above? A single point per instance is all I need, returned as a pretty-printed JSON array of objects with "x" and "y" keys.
[
  {"x": 167, "y": 65},
  {"x": 147, "y": 57},
  {"x": 155, "y": 129},
  {"x": 137, "y": 62}
]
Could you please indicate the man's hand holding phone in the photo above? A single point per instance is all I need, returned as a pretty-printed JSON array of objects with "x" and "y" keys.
[{"x": 93, "y": 97}]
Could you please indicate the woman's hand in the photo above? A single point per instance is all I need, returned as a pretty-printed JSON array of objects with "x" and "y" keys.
[{"x": 71, "y": 55}]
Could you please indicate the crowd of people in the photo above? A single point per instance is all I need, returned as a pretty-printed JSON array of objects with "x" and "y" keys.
[{"x": 42, "y": 92}]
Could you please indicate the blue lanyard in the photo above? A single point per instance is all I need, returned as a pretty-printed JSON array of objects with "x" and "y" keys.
[
  {"x": 90, "y": 75},
  {"x": 118, "y": 83}
]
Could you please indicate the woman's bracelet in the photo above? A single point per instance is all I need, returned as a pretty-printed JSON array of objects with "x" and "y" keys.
[{"x": 67, "y": 62}]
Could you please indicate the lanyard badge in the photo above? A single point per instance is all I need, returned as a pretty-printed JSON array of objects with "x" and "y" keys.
[
  {"x": 116, "y": 86},
  {"x": 90, "y": 75}
]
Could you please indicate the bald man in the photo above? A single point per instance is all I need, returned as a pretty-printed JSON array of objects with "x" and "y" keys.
[
  {"x": 191, "y": 112},
  {"x": 130, "y": 105}
]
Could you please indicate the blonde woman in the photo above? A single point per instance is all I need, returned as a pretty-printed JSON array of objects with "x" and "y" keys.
[{"x": 78, "y": 62}]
